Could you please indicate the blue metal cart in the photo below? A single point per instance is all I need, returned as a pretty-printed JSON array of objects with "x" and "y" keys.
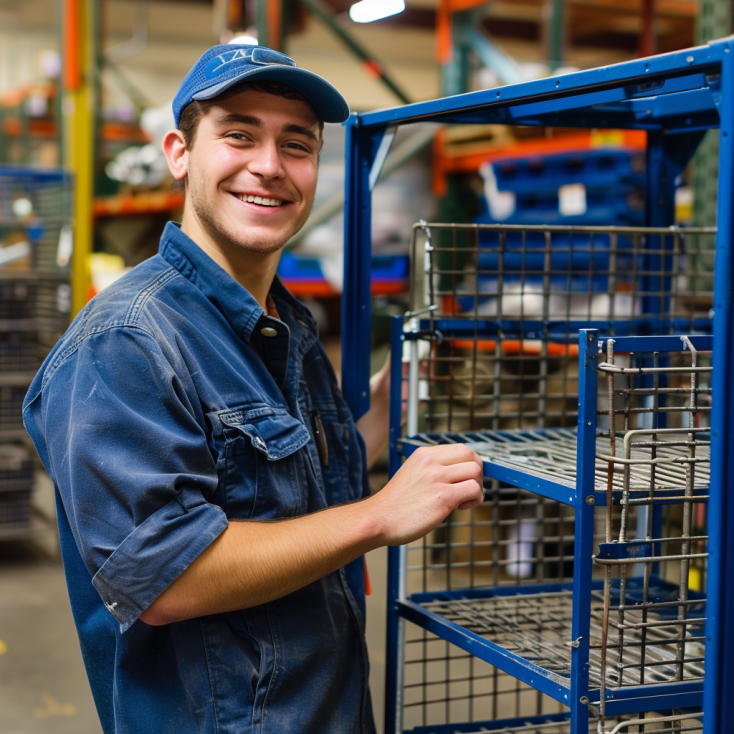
[{"x": 512, "y": 604}]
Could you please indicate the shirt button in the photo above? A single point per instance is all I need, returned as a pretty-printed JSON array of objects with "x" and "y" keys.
[{"x": 268, "y": 331}]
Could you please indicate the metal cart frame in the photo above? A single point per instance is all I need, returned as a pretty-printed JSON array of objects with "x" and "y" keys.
[{"x": 676, "y": 98}]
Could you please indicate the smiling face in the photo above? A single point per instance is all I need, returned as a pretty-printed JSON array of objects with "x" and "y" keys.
[{"x": 251, "y": 172}]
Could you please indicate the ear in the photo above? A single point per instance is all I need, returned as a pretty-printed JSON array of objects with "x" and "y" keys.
[{"x": 176, "y": 154}]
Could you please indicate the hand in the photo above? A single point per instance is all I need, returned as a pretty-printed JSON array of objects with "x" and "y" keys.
[{"x": 432, "y": 483}]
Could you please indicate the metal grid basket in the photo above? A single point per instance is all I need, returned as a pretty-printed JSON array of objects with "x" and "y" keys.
[
  {"x": 494, "y": 361},
  {"x": 521, "y": 295}
]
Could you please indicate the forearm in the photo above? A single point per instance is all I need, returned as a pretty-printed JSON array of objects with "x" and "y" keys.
[{"x": 252, "y": 563}]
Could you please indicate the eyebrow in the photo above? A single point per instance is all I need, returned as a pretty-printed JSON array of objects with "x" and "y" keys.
[
  {"x": 243, "y": 119},
  {"x": 300, "y": 130},
  {"x": 291, "y": 127}
]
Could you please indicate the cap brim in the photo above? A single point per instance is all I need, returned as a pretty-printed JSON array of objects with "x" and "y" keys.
[{"x": 330, "y": 106}]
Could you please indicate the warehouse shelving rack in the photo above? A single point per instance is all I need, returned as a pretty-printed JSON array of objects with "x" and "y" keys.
[
  {"x": 491, "y": 364},
  {"x": 35, "y": 304},
  {"x": 676, "y": 98}
]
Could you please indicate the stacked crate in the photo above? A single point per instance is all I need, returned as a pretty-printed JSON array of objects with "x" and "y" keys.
[
  {"x": 602, "y": 186},
  {"x": 35, "y": 245}
]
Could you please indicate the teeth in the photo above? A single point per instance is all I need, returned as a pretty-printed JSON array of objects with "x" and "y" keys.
[{"x": 261, "y": 200}]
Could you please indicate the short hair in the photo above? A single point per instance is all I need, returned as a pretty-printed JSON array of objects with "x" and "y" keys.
[{"x": 191, "y": 115}]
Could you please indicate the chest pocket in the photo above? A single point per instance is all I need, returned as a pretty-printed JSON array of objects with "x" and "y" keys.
[
  {"x": 264, "y": 469},
  {"x": 340, "y": 457}
]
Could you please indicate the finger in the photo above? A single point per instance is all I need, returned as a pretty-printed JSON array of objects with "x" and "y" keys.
[
  {"x": 453, "y": 453},
  {"x": 454, "y": 473},
  {"x": 469, "y": 504},
  {"x": 468, "y": 493}
]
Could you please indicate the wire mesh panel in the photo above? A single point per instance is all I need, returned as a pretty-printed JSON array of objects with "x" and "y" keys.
[
  {"x": 658, "y": 435},
  {"x": 522, "y": 293},
  {"x": 496, "y": 313},
  {"x": 515, "y": 538}
]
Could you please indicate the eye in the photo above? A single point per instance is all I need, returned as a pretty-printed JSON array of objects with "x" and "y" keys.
[
  {"x": 298, "y": 146},
  {"x": 237, "y": 136}
]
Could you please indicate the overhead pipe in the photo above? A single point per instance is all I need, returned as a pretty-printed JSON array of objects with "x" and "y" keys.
[
  {"x": 371, "y": 66},
  {"x": 492, "y": 56}
]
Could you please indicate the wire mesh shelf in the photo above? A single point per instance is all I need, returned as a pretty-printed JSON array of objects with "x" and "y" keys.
[
  {"x": 645, "y": 723},
  {"x": 537, "y": 627},
  {"x": 551, "y": 453}
]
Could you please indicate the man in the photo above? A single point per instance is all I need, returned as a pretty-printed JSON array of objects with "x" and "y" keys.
[{"x": 208, "y": 471}]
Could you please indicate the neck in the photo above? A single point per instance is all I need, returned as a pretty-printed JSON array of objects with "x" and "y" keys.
[{"x": 254, "y": 271}]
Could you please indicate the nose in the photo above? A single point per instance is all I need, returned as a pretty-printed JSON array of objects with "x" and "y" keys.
[{"x": 266, "y": 161}]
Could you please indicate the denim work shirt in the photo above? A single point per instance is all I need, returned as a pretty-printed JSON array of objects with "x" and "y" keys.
[{"x": 172, "y": 405}]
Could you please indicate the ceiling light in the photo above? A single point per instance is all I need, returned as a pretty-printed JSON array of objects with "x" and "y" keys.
[
  {"x": 245, "y": 39},
  {"x": 367, "y": 11}
]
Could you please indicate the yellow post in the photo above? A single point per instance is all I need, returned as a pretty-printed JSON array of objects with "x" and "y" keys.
[{"x": 78, "y": 133}]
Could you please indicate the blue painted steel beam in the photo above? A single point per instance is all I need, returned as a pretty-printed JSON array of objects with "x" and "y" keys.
[
  {"x": 31, "y": 173},
  {"x": 719, "y": 684},
  {"x": 561, "y": 331},
  {"x": 393, "y": 685},
  {"x": 583, "y": 546},
  {"x": 701, "y": 60},
  {"x": 661, "y": 586},
  {"x": 656, "y": 343},
  {"x": 361, "y": 149},
  {"x": 702, "y": 343},
  {"x": 658, "y": 697}
]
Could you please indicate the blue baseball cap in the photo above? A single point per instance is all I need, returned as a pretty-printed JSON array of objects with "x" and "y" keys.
[{"x": 225, "y": 65}]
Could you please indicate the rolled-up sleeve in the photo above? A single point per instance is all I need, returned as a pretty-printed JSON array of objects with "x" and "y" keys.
[{"x": 129, "y": 455}]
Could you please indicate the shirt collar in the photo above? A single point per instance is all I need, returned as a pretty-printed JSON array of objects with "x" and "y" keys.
[{"x": 236, "y": 303}]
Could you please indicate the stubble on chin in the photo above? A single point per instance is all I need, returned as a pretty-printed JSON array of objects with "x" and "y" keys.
[{"x": 225, "y": 236}]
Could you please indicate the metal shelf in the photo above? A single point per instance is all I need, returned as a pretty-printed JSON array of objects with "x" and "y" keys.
[
  {"x": 543, "y": 724},
  {"x": 545, "y": 461},
  {"x": 525, "y": 631},
  {"x": 561, "y": 724}
]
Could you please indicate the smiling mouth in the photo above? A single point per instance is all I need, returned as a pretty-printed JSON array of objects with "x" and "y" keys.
[{"x": 260, "y": 200}]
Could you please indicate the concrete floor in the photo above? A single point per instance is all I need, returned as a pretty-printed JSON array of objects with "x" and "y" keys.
[{"x": 43, "y": 685}]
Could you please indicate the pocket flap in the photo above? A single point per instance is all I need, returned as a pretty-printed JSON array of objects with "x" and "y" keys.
[{"x": 273, "y": 431}]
